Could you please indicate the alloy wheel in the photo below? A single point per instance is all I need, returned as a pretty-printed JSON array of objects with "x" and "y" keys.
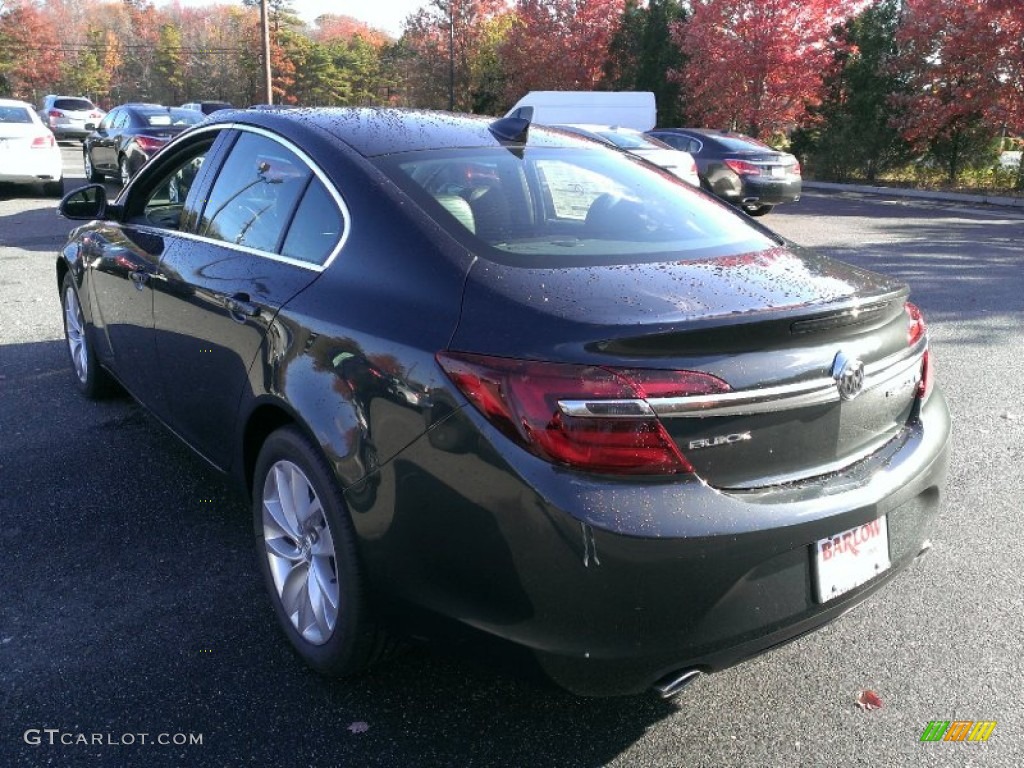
[
  {"x": 75, "y": 331},
  {"x": 300, "y": 551}
]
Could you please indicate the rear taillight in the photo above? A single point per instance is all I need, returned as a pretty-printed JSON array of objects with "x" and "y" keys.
[
  {"x": 42, "y": 142},
  {"x": 149, "y": 144},
  {"x": 95, "y": 115},
  {"x": 55, "y": 113},
  {"x": 743, "y": 168},
  {"x": 795, "y": 170},
  {"x": 592, "y": 418},
  {"x": 916, "y": 329}
]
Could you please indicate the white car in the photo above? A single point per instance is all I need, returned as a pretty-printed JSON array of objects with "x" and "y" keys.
[
  {"x": 675, "y": 161},
  {"x": 29, "y": 153}
]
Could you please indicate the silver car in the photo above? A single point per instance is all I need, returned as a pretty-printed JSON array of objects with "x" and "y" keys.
[{"x": 70, "y": 117}]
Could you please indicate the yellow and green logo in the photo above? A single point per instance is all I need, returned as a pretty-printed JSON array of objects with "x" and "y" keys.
[{"x": 958, "y": 730}]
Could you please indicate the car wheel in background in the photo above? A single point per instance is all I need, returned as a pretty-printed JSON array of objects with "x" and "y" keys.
[
  {"x": 92, "y": 381},
  {"x": 126, "y": 171},
  {"x": 90, "y": 172},
  {"x": 307, "y": 553},
  {"x": 758, "y": 210}
]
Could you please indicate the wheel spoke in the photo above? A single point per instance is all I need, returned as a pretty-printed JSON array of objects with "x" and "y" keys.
[
  {"x": 280, "y": 504},
  {"x": 294, "y": 591}
]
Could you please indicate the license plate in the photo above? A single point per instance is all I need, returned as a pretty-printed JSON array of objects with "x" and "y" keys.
[
  {"x": 778, "y": 170},
  {"x": 851, "y": 558}
]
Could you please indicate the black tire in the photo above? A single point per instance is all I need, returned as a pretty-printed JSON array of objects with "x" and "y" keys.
[
  {"x": 92, "y": 380},
  {"x": 758, "y": 210},
  {"x": 53, "y": 188},
  {"x": 294, "y": 556},
  {"x": 91, "y": 173}
]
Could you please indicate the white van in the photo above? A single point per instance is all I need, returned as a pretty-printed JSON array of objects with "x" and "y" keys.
[{"x": 628, "y": 109}]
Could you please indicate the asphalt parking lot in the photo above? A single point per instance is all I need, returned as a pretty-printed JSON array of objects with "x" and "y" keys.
[{"x": 132, "y": 609}]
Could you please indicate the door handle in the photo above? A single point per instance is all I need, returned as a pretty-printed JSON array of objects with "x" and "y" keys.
[
  {"x": 240, "y": 308},
  {"x": 139, "y": 278}
]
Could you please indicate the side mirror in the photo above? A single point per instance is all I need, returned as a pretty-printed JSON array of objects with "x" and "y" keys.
[{"x": 85, "y": 203}]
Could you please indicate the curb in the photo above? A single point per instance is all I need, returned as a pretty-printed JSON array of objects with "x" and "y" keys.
[{"x": 1009, "y": 202}]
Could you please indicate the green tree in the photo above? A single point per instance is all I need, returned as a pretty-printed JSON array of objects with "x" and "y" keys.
[
  {"x": 169, "y": 66},
  {"x": 855, "y": 135},
  {"x": 642, "y": 53}
]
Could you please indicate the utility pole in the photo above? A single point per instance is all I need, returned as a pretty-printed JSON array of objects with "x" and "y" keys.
[
  {"x": 451, "y": 56},
  {"x": 265, "y": 34}
]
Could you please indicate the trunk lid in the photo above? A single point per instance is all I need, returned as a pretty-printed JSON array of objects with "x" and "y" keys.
[{"x": 783, "y": 327}]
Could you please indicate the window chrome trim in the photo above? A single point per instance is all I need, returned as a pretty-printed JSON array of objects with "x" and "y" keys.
[
  {"x": 820, "y": 391},
  {"x": 334, "y": 193}
]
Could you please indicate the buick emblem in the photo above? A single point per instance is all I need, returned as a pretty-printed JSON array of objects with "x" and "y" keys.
[{"x": 849, "y": 375}]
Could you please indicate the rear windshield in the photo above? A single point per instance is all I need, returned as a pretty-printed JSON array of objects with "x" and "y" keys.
[
  {"x": 742, "y": 144},
  {"x": 74, "y": 105},
  {"x": 15, "y": 115},
  {"x": 176, "y": 116},
  {"x": 569, "y": 205},
  {"x": 625, "y": 140}
]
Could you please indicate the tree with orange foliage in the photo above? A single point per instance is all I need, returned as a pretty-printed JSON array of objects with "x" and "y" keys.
[
  {"x": 31, "y": 57},
  {"x": 443, "y": 44}
]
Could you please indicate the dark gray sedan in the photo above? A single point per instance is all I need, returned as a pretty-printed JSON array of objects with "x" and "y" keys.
[{"x": 498, "y": 375}]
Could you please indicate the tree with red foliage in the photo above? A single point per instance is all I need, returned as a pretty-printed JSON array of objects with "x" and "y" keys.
[
  {"x": 756, "y": 65},
  {"x": 962, "y": 63},
  {"x": 558, "y": 44}
]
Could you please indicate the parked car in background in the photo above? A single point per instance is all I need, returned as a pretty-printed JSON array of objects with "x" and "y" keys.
[
  {"x": 129, "y": 135},
  {"x": 207, "y": 107},
  {"x": 507, "y": 376},
  {"x": 29, "y": 153},
  {"x": 739, "y": 169},
  {"x": 70, "y": 117},
  {"x": 675, "y": 161}
]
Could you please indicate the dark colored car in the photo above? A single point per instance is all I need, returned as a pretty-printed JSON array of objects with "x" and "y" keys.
[
  {"x": 128, "y": 135},
  {"x": 739, "y": 169},
  {"x": 512, "y": 378},
  {"x": 207, "y": 107}
]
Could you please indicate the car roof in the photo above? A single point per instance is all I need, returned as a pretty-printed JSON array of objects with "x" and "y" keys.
[
  {"x": 373, "y": 131},
  {"x": 15, "y": 103}
]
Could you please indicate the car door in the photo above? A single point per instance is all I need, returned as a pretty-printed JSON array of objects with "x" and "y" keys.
[
  {"x": 103, "y": 144},
  {"x": 124, "y": 269},
  {"x": 250, "y": 253}
]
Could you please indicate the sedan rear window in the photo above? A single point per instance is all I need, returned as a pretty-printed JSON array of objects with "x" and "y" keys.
[
  {"x": 570, "y": 204},
  {"x": 15, "y": 115},
  {"x": 74, "y": 105}
]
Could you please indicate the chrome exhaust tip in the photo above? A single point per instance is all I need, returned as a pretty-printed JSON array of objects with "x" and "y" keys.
[{"x": 671, "y": 685}]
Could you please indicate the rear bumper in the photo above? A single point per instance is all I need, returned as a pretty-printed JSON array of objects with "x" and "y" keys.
[
  {"x": 615, "y": 584},
  {"x": 32, "y": 167},
  {"x": 758, "y": 190},
  {"x": 765, "y": 190}
]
